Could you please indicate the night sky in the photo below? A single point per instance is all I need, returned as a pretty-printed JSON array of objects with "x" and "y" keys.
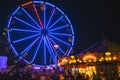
[{"x": 91, "y": 19}]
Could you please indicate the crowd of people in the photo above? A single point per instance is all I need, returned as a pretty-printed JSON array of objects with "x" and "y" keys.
[
  {"x": 54, "y": 73},
  {"x": 29, "y": 73}
]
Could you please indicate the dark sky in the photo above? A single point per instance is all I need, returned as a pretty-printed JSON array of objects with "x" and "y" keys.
[{"x": 90, "y": 19}]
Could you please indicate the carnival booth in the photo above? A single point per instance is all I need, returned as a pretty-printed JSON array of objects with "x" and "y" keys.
[
  {"x": 101, "y": 64},
  {"x": 84, "y": 64}
]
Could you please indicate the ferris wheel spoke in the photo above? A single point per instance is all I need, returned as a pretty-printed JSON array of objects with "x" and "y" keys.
[
  {"x": 55, "y": 52},
  {"x": 31, "y": 17},
  {"x": 19, "y": 40},
  {"x": 39, "y": 19},
  {"x": 56, "y": 22},
  {"x": 28, "y": 47},
  {"x": 14, "y": 50},
  {"x": 15, "y": 10},
  {"x": 59, "y": 27},
  {"x": 50, "y": 18},
  {"x": 8, "y": 34},
  {"x": 62, "y": 51},
  {"x": 50, "y": 50},
  {"x": 70, "y": 50},
  {"x": 59, "y": 40},
  {"x": 24, "y": 30},
  {"x": 44, "y": 51},
  {"x": 58, "y": 47},
  {"x": 26, "y": 23},
  {"x": 37, "y": 50},
  {"x": 60, "y": 34},
  {"x": 44, "y": 15}
]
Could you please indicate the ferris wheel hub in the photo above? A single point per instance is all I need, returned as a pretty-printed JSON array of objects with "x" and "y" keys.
[{"x": 44, "y": 31}]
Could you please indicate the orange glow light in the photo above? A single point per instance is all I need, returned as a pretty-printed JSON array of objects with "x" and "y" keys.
[
  {"x": 107, "y": 53},
  {"x": 64, "y": 60},
  {"x": 72, "y": 57},
  {"x": 26, "y": 4},
  {"x": 102, "y": 58},
  {"x": 89, "y": 57},
  {"x": 114, "y": 58}
]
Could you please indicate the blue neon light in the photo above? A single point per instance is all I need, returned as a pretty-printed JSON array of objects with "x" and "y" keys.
[
  {"x": 55, "y": 22},
  {"x": 28, "y": 48},
  {"x": 50, "y": 18},
  {"x": 25, "y": 38},
  {"x": 50, "y": 4},
  {"x": 38, "y": 2},
  {"x": 23, "y": 30},
  {"x": 8, "y": 36},
  {"x": 14, "y": 50},
  {"x": 45, "y": 51},
  {"x": 58, "y": 47},
  {"x": 26, "y": 23},
  {"x": 9, "y": 22},
  {"x": 50, "y": 50},
  {"x": 55, "y": 53},
  {"x": 31, "y": 18},
  {"x": 59, "y": 27},
  {"x": 70, "y": 23},
  {"x": 60, "y": 34},
  {"x": 37, "y": 50},
  {"x": 71, "y": 30},
  {"x": 59, "y": 40},
  {"x": 69, "y": 51},
  {"x": 44, "y": 15},
  {"x": 8, "y": 28},
  {"x": 59, "y": 10},
  {"x": 15, "y": 11}
]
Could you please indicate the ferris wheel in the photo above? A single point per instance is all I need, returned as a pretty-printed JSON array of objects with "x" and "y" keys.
[{"x": 41, "y": 31}]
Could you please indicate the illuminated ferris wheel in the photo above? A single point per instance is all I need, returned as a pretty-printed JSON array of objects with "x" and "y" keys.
[{"x": 40, "y": 30}]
